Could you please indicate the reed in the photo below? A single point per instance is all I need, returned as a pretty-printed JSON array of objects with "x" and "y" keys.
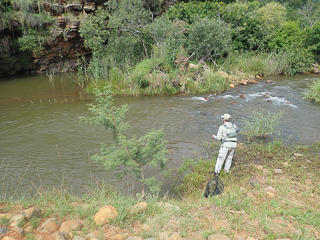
[
  {"x": 261, "y": 124},
  {"x": 312, "y": 92}
]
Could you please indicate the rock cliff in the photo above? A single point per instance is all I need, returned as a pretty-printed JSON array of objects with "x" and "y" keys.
[{"x": 61, "y": 52}]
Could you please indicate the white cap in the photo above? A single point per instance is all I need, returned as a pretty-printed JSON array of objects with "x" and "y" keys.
[{"x": 226, "y": 117}]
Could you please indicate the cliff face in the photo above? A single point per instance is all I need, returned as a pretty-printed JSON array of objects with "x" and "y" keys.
[{"x": 60, "y": 54}]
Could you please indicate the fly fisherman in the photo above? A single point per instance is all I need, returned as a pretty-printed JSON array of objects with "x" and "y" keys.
[{"x": 227, "y": 134}]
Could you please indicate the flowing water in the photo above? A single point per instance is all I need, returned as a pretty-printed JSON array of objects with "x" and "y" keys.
[{"x": 42, "y": 143}]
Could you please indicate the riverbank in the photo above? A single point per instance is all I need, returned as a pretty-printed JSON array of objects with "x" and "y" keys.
[{"x": 272, "y": 192}]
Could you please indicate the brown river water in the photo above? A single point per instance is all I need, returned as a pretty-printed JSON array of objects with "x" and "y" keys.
[{"x": 43, "y": 145}]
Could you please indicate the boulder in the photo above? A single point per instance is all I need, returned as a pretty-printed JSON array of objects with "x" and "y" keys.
[
  {"x": 8, "y": 238},
  {"x": 316, "y": 70},
  {"x": 223, "y": 74},
  {"x": 50, "y": 226},
  {"x": 269, "y": 81},
  {"x": 134, "y": 238},
  {"x": 105, "y": 214},
  {"x": 57, "y": 236},
  {"x": 163, "y": 236},
  {"x": 252, "y": 82},
  {"x": 95, "y": 234},
  {"x": 16, "y": 219},
  {"x": 244, "y": 82},
  {"x": 270, "y": 189},
  {"x": 231, "y": 85},
  {"x": 175, "y": 236},
  {"x": 6, "y": 215},
  {"x": 3, "y": 231},
  {"x": 79, "y": 238},
  {"x": 278, "y": 171},
  {"x": 70, "y": 226},
  {"x": 119, "y": 237},
  {"x": 39, "y": 237},
  {"x": 218, "y": 237},
  {"x": 19, "y": 230},
  {"x": 270, "y": 195},
  {"x": 285, "y": 164},
  {"x": 32, "y": 212},
  {"x": 139, "y": 207},
  {"x": 196, "y": 236}
]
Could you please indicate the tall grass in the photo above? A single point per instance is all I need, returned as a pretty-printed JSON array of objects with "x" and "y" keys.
[
  {"x": 313, "y": 91},
  {"x": 261, "y": 63},
  {"x": 261, "y": 124}
]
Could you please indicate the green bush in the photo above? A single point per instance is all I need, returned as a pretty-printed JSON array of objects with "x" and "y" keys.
[
  {"x": 134, "y": 154},
  {"x": 208, "y": 39},
  {"x": 261, "y": 124},
  {"x": 313, "y": 91}
]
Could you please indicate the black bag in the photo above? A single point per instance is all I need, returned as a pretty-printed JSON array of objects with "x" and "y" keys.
[{"x": 214, "y": 187}]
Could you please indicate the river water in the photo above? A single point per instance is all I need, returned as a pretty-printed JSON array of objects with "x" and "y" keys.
[{"x": 42, "y": 143}]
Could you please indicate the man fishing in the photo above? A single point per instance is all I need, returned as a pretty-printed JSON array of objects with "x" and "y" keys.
[{"x": 227, "y": 134}]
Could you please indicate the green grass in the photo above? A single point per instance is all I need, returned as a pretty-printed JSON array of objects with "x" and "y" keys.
[
  {"x": 313, "y": 91},
  {"x": 261, "y": 124}
]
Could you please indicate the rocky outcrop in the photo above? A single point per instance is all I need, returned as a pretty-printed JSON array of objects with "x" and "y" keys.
[{"x": 63, "y": 50}]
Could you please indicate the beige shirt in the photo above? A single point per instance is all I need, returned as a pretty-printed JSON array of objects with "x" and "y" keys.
[{"x": 222, "y": 136}]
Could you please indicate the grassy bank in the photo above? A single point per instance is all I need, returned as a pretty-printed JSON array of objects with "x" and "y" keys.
[{"x": 272, "y": 192}]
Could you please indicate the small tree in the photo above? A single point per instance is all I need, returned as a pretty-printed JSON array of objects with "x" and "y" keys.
[{"x": 134, "y": 155}]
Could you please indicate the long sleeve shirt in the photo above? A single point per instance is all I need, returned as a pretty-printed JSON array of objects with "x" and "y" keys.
[{"x": 222, "y": 136}]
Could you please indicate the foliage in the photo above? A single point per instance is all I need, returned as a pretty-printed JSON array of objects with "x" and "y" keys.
[
  {"x": 133, "y": 155},
  {"x": 93, "y": 30},
  {"x": 310, "y": 13},
  {"x": 169, "y": 36},
  {"x": 4, "y": 221},
  {"x": 32, "y": 40},
  {"x": 313, "y": 39},
  {"x": 208, "y": 39},
  {"x": 106, "y": 114},
  {"x": 270, "y": 17},
  {"x": 287, "y": 36},
  {"x": 288, "y": 61},
  {"x": 187, "y": 11},
  {"x": 192, "y": 175},
  {"x": 261, "y": 124},
  {"x": 313, "y": 91}
]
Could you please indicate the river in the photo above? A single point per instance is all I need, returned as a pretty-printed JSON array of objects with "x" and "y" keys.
[{"x": 43, "y": 145}]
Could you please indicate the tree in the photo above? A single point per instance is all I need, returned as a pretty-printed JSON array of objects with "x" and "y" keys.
[
  {"x": 133, "y": 155},
  {"x": 271, "y": 17},
  {"x": 310, "y": 13},
  {"x": 208, "y": 39}
]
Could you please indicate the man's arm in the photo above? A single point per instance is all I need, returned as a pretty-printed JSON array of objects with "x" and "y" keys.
[{"x": 219, "y": 134}]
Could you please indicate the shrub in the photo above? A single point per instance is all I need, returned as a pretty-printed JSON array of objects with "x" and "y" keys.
[
  {"x": 313, "y": 91},
  {"x": 261, "y": 124},
  {"x": 132, "y": 155},
  {"x": 208, "y": 39}
]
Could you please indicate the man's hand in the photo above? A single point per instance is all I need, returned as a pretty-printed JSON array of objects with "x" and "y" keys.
[{"x": 212, "y": 136}]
